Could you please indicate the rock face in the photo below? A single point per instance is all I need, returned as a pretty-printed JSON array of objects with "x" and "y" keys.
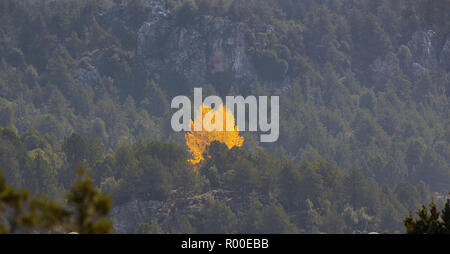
[
  {"x": 193, "y": 55},
  {"x": 382, "y": 66},
  {"x": 427, "y": 50},
  {"x": 128, "y": 216},
  {"x": 195, "y": 52},
  {"x": 156, "y": 9},
  {"x": 444, "y": 56},
  {"x": 87, "y": 75},
  {"x": 418, "y": 70},
  {"x": 423, "y": 46}
]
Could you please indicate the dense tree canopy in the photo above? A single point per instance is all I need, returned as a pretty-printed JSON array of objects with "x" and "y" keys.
[{"x": 364, "y": 124}]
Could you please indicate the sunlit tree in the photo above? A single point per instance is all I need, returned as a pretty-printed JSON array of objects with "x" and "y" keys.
[{"x": 197, "y": 141}]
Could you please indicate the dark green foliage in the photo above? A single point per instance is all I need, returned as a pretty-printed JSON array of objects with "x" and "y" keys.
[
  {"x": 6, "y": 114},
  {"x": 276, "y": 221},
  {"x": 136, "y": 13},
  {"x": 270, "y": 66},
  {"x": 430, "y": 221},
  {"x": 87, "y": 210},
  {"x": 75, "y": 149},
  {"x": 13, "y": 157},
  {"x": 153, "y": 228},
  {"x": 217, "y": 218},
  {"x": 378, "y": 140},
  {"x": 279, "y": 195},
  {"x": 290, "y": 187},
  {"x": 91, "y": 207},
  {"x": 186, "y": 13}
]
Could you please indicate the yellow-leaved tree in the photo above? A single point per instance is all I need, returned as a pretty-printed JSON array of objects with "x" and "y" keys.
[{"x": 197, "y": 141}]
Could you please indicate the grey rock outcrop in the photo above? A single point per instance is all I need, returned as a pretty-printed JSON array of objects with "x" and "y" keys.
[
  {"x": 87, "y": 75},
  {"x": 157, "y": 9},
  {"x": 423, "y": 46},
  {"x": 444, "y": 56},
  {"x": 428, "y": 51},
  {"x": 418, "y": 70},
  {"x": 195, "y": 52},
  {"x": 128, "y": 216},
  {"x": 382, "y": 66},
  {"x": 389, "y": 63}
]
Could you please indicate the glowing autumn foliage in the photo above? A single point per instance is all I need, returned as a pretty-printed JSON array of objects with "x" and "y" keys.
[{"x": 197, "y": 141}]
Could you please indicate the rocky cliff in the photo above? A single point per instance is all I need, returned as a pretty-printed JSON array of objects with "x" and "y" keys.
[
  {"x": 196, "y": 52},
  {"x": 427, "y": 50},
  {"x": 128, "y": 216}
]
